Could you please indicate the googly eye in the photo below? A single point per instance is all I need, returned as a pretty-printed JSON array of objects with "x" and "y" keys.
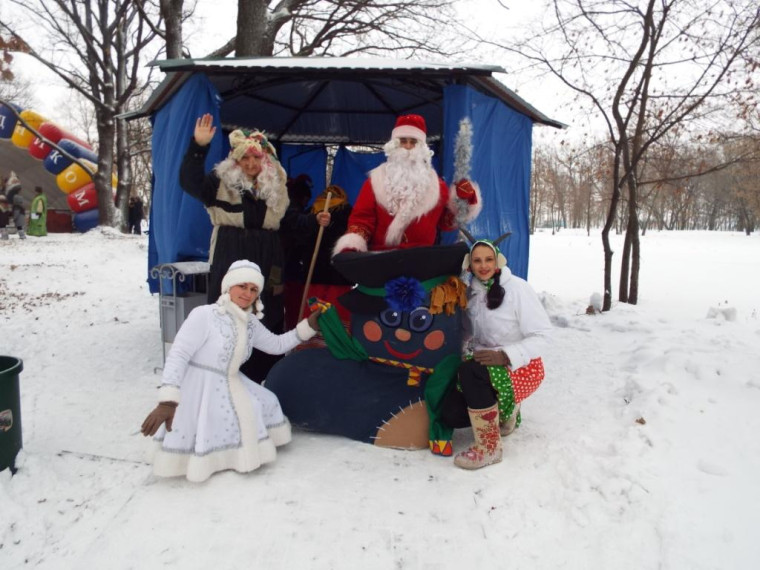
[
  {"x": 420, "y": 320},
  {"x": 390, "y": 318}
]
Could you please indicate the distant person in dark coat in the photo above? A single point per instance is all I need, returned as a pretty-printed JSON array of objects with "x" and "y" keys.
[{"x": 135, "y": 215}]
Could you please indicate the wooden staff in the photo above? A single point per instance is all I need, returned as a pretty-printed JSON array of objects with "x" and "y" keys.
[{"x": 313, "y": 259}]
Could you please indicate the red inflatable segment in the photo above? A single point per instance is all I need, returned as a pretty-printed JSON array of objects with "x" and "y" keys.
[
  {"x": 86, "y": 198},
  {"x": 53, "y": 133},
  {"x": 50, "y": 131}
]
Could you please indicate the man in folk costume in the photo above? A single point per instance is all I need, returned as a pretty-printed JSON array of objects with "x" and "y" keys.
[
  {"x": 404, "y": 203},
  {"x": 246, "y": 198}
]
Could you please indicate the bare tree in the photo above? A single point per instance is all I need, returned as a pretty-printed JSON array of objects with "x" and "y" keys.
[
  {"x": 95, "y": 48},
  {"x": 332, "y": 27},
  {"x": 647, "y": 68},
  {"x": 19, "y": 90}
]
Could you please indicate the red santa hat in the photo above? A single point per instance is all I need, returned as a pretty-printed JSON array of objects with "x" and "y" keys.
[{"x": 410, "y": 126}]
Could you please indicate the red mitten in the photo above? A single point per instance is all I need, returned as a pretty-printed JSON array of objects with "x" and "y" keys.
[{"x": 466, "y": 191}]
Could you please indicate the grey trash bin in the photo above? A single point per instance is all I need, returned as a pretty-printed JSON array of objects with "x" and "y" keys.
[{"x": 10, "y": 411}]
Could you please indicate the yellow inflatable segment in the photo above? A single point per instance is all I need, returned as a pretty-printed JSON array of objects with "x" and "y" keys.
[
  {"x": 22, "y": 137},
  {"x": 73, "y": 177}
]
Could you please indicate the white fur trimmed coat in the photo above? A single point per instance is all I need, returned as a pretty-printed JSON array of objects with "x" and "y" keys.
[
  {"x": 519, "y": 326},
  {"x": 223, "y": 420}
]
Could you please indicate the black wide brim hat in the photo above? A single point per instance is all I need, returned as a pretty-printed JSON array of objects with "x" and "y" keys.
[{"x": 373, "y": 270}]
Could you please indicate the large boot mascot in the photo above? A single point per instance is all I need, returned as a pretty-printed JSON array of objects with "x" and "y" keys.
[{"x": 383, "y": 384}]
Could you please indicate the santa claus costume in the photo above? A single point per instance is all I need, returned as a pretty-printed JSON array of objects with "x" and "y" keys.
[{"x": 404, "y": 203}]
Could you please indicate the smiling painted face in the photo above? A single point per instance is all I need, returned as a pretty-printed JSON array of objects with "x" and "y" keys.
[{"x": 415, "y": 337}]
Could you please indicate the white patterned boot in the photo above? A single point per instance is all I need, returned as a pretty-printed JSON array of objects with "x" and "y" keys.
[{"x": 487, "y": 448}]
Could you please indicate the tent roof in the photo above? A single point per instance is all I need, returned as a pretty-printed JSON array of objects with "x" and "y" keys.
[{"x": 337, "y": 100}]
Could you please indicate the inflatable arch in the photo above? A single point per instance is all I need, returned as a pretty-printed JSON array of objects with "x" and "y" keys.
[{"x": 70, "y": 177}]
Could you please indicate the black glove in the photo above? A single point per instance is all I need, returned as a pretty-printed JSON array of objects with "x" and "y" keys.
[
  {"x": 491, "y": 357},
  {"x": 164, "y": 412}
]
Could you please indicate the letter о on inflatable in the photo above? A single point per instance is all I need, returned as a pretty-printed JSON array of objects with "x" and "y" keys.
[
  {"x": 22, "y": 137},
  {"x": 83, "y": 199},
  {"x": 74, "y": 177},
  {"x": 55, "y": 162},
  {"x": 8, "y": 121}
]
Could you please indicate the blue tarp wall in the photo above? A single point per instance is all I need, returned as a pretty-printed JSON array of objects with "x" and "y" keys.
[{"x": 501, "y": 162}]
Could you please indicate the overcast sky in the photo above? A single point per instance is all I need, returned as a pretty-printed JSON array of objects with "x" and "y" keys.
[{"x": 214, "y": 23}]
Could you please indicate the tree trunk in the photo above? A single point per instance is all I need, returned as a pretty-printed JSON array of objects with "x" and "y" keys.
[
  {"x": 633, "y": 290},
  {"x": 171, "y": 11},
  {"x": 252, "y": 30},
  {"x": 625, "y": 265},
  {"x": 611, "y": 215},
  {"x": 102, "y": 178},
  {"x": 124, "y": 170}
]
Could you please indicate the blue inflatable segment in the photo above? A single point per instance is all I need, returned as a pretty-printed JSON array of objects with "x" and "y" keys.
[
  {"x": 55, "y": 162},
  {"x": 85, "y": 221},
  {"x": 8, "y": 121}
]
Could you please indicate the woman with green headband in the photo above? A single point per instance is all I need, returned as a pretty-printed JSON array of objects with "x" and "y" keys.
[{"x": 505, "y": 334}]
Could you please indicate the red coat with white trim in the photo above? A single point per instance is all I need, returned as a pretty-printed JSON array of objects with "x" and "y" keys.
[{"x": 371, "y": 226}]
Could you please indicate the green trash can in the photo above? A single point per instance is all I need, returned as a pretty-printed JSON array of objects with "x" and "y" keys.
[{"x": 10, "y": 411}]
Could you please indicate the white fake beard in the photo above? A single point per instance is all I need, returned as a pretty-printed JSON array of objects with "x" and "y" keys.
[
  {"x": 233, "y": 176},
  {"x": 407, "y": 175},
  {"x": 267, "y": 181}
]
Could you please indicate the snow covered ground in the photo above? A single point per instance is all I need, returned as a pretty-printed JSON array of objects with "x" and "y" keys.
[{"x": 639, "y": 451}]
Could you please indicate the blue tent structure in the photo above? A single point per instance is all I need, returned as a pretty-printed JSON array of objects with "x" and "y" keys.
[{"x": 312, "y": 106}]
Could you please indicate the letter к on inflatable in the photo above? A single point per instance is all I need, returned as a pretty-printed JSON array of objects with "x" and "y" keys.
[{"x": 383, "y": 384}]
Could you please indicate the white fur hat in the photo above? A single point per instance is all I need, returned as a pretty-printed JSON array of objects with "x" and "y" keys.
[{"x": 243, "y": 271}]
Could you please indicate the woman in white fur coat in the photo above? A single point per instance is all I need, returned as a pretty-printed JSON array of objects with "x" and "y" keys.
[
  {"x": 210, "y": 416},
  {"x": 506, "y": 331}
]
